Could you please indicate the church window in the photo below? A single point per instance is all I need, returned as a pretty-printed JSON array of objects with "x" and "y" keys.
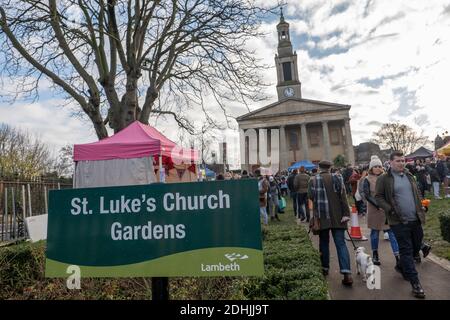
[
  {"x": 283, "y": 34},
  {"x": 293, "y": 140},
  {"x": 287, "y": 71},
  {"x": 335, "y": 134},
  {"x": 314, "y": 138}
]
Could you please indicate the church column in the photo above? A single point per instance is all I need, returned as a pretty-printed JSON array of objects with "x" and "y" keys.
[
  {"x": 283, "y": 152},
  {"x": 326, "y": 140},
  {"x": 305, "y": 146},
  {"x": 350, "y": 153}
]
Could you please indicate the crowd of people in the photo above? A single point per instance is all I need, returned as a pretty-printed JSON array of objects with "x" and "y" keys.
[{"x": 389, "y": 194}]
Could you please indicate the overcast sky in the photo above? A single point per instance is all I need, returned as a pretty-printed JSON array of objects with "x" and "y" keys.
[{"x": 389, "y": 60}]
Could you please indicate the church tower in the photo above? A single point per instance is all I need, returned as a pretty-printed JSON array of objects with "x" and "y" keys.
[{"x": 288, "y": 85}]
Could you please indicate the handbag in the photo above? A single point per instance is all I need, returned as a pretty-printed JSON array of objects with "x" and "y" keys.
[
  {"x": 282, "y": 203},
  {"x": 314, "y": 225}
]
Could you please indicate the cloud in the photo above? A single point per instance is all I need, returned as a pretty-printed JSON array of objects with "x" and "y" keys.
[
  {"x": 374, "y": 123},
  {"x": 340, "y": 8},
  {"x": 387, "y": 59},
  {"x": 386, "y": 21},
  {"x": 51, "y": 123},
  {"x": 446, "y": 10}
]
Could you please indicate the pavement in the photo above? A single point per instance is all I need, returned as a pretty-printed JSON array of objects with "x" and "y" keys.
[{"x": 434, "y": 274}]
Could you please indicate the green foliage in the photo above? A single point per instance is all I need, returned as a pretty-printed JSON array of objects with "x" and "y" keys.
[
  {"x": 292, "y": 267},
  {"x": 432, "y": 229},
  {"x": 22, "y": 277},
  {"x": 339, "y": 161},
  {"x": 444, "y": 220}
]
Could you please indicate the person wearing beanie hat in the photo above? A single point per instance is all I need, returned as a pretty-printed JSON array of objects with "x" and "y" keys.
[
  {"x": 376, "y": 218},
  {"x": 375, "y": 161}
]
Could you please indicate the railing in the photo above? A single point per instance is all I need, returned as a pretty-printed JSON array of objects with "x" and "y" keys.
[{"x": 22, "y": 199}]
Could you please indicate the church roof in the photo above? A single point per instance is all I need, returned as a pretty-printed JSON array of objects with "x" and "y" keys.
[{"x": 318, "y": 106}]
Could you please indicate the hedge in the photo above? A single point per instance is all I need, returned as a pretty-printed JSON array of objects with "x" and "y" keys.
[
  {"x": 292, "y": 271},
  {"x": 444, "y": 220}
]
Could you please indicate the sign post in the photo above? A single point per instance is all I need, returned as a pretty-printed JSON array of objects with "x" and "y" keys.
[{"x": 158, "y": 230}]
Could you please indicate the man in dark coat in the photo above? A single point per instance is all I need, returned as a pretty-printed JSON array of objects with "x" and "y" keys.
[
  {"x": 398, "y": 196},
  {"x": 330, "y": 206}
]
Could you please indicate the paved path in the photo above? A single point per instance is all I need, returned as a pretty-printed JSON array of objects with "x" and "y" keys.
[{"x": 435, "y": 278}]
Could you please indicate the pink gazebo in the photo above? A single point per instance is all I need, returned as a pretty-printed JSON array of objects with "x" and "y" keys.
[{"x": 130, "y": 157}]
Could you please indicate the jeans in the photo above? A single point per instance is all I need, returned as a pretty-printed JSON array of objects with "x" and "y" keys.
[
  {"x": 263, "y": 214},
  {"x": 409, "y": 236},
  {"x": 294, "y": 202},
  {"x": 374, "y": 239},
  {"x": 302, "y": 206},
  {"x": 341, "y": 248},
  {"x": 436, "y": 186},
  {"x": 273, "y": 202}
]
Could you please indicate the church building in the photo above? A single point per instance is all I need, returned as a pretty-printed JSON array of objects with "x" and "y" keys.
[{"x": 307, "y": 129}]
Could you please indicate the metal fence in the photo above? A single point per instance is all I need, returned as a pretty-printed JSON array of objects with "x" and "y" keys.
[{"x": 22, "y": 199}]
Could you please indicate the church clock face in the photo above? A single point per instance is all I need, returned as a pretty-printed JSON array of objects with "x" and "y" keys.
[{"x": 288, "y": 92}]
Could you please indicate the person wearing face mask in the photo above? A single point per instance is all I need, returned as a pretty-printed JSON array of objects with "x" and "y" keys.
[
  {"x": 397, "y": 194},
  {"x": 376, "y": 219}
]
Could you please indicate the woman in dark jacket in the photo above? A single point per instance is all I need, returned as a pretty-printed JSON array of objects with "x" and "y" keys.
[{"x": 421, "y": 176}]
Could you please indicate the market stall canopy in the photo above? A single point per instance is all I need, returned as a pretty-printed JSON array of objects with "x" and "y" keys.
[
  {"x": 132, "y": 157},
  {"x": 304, "y": 163},
  {"x": 422, "y": 152},
  {"x": 135, "y": 141}
]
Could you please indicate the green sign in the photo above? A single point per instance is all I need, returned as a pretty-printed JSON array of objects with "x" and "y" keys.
[{"x": 158, "y": 230}]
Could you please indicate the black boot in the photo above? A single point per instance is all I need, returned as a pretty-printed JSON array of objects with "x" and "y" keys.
[
  {"x": 276, "y": 217},
  {"x": 376, "y": 259},
  {"x": 426, "y": 248},
  {"x": 417, "y": 290}
]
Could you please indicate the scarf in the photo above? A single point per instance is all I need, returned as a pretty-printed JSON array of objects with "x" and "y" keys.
[{"x": 320, "y": 194}]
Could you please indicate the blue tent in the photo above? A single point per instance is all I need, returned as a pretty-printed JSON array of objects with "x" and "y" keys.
[
  {"x": 209, "y": 173},
  {"x": 305, "y": 163}
]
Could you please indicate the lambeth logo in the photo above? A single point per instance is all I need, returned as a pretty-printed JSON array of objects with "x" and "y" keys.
[
  {"x": 233, "y": 266},
  {"x": 235, "y": 256}
]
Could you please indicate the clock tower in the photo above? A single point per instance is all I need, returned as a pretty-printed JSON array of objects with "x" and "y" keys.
[{"x": 288, "y": 84}]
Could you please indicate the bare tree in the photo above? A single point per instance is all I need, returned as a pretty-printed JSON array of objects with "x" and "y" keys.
[
  {"x": 117, "y": 58},
  {"x": 398, "y": 136},
  {"x": 63, "y": 163},
  {"x": 22, "y": 156}
]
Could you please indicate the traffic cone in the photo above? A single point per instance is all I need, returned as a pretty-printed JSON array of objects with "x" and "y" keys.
[{"x": 355, "y": 230}]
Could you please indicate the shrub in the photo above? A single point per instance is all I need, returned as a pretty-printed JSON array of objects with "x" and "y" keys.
[
  {"x": 444, "y": 220},
  {"x": 292, "y": 271}
]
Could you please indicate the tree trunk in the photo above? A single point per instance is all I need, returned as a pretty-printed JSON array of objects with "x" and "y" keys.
[{"x": 129, "y": 105}]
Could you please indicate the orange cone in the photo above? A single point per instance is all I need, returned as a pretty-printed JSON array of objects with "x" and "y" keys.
[{"x": 355, "y": 230}]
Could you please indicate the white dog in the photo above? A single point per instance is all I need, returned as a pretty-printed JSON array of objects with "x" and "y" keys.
[{"x": 364, "y": 263}]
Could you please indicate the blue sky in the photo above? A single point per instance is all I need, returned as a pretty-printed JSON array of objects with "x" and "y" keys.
[{"x": 389, "y": 60}]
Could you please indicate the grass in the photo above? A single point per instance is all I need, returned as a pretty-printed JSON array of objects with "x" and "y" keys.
[{"x": 432, "y": 229}]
